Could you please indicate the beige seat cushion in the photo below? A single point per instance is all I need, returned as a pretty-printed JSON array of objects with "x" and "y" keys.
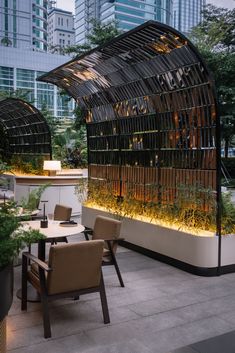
[
  {"x": 74, "y": 266},
  {"x": 62, "y": 213},
  {"x": 107, "y": 228}
]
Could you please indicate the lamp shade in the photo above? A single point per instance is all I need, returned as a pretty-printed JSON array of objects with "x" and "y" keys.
[{"x": 52, "y": 165}]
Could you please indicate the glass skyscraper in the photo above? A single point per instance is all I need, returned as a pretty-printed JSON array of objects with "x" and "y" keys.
[
  {"x": 24, "y": 24},
  {"x": 128, "y": 13},
  {"x": 21, "y": 74},
  {"x": 24, "y": 57},
  {"x": 187, "y": 14}
]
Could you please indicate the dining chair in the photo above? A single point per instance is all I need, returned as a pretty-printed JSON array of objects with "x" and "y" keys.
[
  {"x": 107, "y": 229},
  {"x": 61, "y": 213},
  {"x": 72, "y": 270}
]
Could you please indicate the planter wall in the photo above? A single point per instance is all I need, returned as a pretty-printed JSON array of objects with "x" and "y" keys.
[{"x": 194, "y": 253}]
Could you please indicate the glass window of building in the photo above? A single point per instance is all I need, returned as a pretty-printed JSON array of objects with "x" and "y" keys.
[{"x": 6, "y": 78}]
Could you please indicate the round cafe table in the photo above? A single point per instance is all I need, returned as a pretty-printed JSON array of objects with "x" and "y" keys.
[{"x": 54, "y": 230}]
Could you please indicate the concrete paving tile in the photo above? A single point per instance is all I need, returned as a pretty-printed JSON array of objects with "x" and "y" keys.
[
  {"x": 199, "y": 284},
  {"x": 152, "y": 273},
  {"x": 229, "y": 316},
  {"x": 24, "y": 338},
  {"x": 132, "y": 346},
  {"x": 71, "y": 344},
  {"x": 65, "y": 320},
  {"x": 177, "y": 337},
  {"x": 24, "y": 320},
  {"x": 221, "y": 344},
  {"x": 128, "y": 297},
  {"x": 187, "y": 349},
  {"x": 161, "y": 309},
  {"x": 229, "y": 276},
  {"x": 216, "y": 291},
  {"x": 167, "y": 302},
  {"x": 121, "y": 314},
  {"x": 197, "y": 311},
  {"x": 157, "y": 322},
  {"x": 113, "y": 334}
]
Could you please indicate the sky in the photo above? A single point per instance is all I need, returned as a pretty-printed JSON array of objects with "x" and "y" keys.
[{"x": 69, "y": 4}]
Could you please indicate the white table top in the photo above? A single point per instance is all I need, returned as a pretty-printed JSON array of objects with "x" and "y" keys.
[{"x": 54, "y": 229}]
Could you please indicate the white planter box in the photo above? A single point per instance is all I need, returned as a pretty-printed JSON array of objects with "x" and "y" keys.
[{"x": 194, "y": 250}]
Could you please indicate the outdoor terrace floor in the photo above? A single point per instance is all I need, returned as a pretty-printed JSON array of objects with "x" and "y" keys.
[{"x": 160, "y": 310}]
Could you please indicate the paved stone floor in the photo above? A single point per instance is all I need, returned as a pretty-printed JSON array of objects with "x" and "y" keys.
[{"x": 161, "y": 310}]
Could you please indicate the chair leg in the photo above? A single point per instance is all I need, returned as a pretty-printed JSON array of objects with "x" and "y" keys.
[
  {"x": 45, "y": 306},
  {"x": 104, "y": 302},
  {"x": 114, "y": 261},
  {"x": 24, "y": 292},
  {"x": 116, "y": 267},
  {"x": 46, "y": 316}
]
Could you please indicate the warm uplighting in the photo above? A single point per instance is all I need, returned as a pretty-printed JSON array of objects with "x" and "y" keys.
[
  {"x": 52, "y": 167},
  {"x": 160, "y": 222}
]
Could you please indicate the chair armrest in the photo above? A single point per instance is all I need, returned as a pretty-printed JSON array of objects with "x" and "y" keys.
[{"x": 39, "y": 262}]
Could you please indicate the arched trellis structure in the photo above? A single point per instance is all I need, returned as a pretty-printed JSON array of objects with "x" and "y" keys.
[
  {"x": 151, "y": 117},
  {"x": 24, "y": 130}
]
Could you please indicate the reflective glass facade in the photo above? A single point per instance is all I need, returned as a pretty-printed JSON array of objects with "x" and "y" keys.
[
  {"x": 128, "y": 13},
  {"x": 187, "y": 14},
  {"x": 40, "y": 93},
  {"x": 23, "y": 24},
  {"x": 6, "y": 78}
]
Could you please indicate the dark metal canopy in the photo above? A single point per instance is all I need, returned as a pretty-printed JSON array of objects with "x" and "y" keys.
[
  {"x": 23, "y": 129},
  {"x": 152, "y": 58}
]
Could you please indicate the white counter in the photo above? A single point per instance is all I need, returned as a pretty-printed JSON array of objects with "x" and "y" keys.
[{"x": 60, "y": 191}]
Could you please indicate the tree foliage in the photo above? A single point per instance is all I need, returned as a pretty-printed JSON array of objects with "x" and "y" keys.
[
  {"x": 215, "y": 40},
  {"x": 50, "y": 119},
  {"x": 6, "y": 42},
  {"x": 19, "y": 93},
  {"x": 100, "y": 34},
  {"x": 216, "y": 31},
  {"x": 77, "y": 49}
]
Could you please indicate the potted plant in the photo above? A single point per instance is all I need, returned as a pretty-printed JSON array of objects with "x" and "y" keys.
[{"x": 13, "y": 238}]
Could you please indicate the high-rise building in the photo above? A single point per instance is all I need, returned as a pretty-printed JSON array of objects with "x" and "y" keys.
[
  {"x": 187, "y": 14},
  {"x": 20, "y": 68},
  {"x": 60, "y": 29},
  {"x": 24, "y": 24},
  {"x": 23, "y": 56},
  {"x": 127, "y": 13}
]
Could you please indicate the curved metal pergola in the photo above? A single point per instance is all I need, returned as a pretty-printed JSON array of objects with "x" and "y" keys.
[
  {"x": 151, "y": 113},
  {"x": 23, "y": 130}
]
